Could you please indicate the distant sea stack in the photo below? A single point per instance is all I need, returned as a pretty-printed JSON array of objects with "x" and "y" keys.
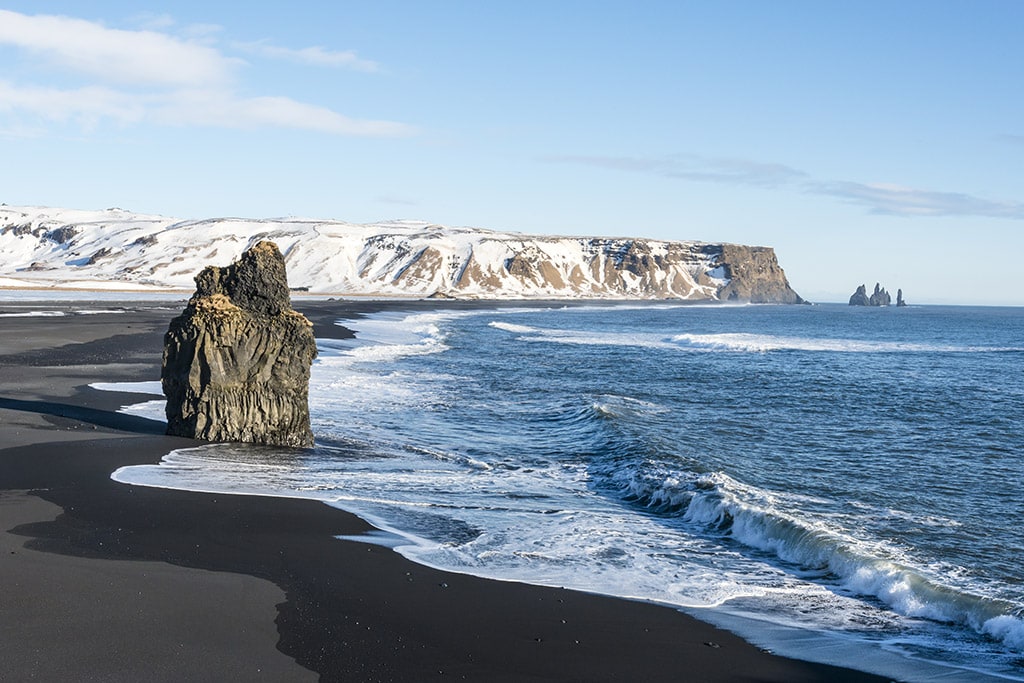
[
  {"x": 236, "y": 361},
  {"x": 860, "y": 297},
  {"x": 879, "y": 297}
]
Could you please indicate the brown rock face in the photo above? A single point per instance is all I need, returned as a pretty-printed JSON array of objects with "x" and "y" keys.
[
  {"x": 236, "y": 361},
  {"x": 754, "y": 276}
]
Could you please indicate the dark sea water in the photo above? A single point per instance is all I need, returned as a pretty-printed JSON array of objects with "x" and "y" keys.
[{"x": 851, "y": 473}]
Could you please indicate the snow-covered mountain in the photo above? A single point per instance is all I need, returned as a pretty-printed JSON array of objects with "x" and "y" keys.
[{"x": 119, "y": 249}]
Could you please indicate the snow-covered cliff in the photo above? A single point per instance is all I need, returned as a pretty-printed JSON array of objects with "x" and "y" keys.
[{"x": 116, "y": 248}]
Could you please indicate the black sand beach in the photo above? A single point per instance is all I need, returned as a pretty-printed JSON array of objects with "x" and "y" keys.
[{"x": 107, "y": 582}]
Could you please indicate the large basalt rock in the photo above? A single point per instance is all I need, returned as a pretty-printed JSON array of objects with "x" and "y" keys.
[{"x": 236, "y": 361}]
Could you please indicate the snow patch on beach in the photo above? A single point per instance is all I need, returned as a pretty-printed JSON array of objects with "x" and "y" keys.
[{"x": 34, "y": 314}]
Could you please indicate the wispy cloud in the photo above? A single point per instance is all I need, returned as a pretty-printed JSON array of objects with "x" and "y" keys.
[
  {"x": 214, "y": 109},
  {"x": 87, "y": 105},
  {"x": 313, "y": 56},
  {"x": 908, "y": 201},
  {"x": 878, "y": 198},
  {"x": 1012, "y": 139},
  {"x": 150, "y": 76},
  {"x": 153, "y": 21},
  {"x": 693, "y": 167},
  {"x": 396, "y": 201},
  {"x": 194, "y": 33}
]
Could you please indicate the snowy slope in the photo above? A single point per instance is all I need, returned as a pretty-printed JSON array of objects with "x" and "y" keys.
[{"x": 61, "y": 247}]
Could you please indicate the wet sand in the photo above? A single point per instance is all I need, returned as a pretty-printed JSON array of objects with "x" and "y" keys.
[{"x": 109, "y": 582}]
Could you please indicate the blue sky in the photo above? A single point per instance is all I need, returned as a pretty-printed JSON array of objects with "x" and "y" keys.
[{"x": 868, "y": 141}]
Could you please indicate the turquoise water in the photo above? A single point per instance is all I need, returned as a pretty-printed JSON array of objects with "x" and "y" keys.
[{"x": 845, "y": 471}]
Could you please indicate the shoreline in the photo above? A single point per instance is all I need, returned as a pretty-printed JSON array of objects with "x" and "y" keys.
[{"x": 223, "y": 585}]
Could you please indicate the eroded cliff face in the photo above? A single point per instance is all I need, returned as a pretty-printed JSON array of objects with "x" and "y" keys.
[
  {"x": 583, "y": 268},
  {"x": 754, "y": 275},
  {"x": 236, "y": 361},
  {"x": 393, "y": 258}
]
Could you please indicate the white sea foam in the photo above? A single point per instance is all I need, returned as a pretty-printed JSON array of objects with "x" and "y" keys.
[
  {"x": 612, "y": 405},
  {"x": 1007, "y": 628},
  {"x": 762, "y": 343},
  {"x": 151, "y": 410},
  {"x": 151, "y": 387},
  {"x": 390, "y": 336},
  {"x": 583, "y": 337},
  {"x": 510, "y": 327},
  {"x": 345, "y": 374},
  {"x": 734, "y": 342}
]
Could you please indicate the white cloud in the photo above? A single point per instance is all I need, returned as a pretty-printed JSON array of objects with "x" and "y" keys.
[
  {"x": 878, "y": 198},
  {"x": 395, "y": 200},
  {"x": 114, "y": 55},
  {"x": 908, "y": 201},
  {"x": 87, "y": 105},
  {"x": 215, "y": 109},
  {"x": 694, "y": 167},
  {"x": 90, "y": 105},
  {"x": 203, "y": 33},
  {"x": 152, "y": 21},
  {"x": 151, "y": 77},
  {"x": 314, "y": 56}
]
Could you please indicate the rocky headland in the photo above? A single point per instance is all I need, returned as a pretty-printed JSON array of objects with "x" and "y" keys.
[
  {"x": 236, "y": 361},
  {"x": 64, "y": 247}
]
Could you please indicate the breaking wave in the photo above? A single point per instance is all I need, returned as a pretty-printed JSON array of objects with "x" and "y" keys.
[
  {"x": 771, "y": 522},
  {"x": 510, "y": 327},
  {"x": 763, "y": 343},
  {"x": 740, "y": 342}
]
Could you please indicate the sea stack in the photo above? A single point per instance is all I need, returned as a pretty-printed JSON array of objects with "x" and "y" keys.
[
  {"x": 860, "y": 297},
  {"x": 879, "y": 297},
  {"x": 236, "y": 361}
]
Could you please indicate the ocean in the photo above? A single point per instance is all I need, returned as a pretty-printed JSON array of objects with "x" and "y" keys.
[{"x": 832, "y": 482}]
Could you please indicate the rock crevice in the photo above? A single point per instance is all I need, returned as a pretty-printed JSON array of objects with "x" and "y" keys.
[{"x": 237, "y": 360}]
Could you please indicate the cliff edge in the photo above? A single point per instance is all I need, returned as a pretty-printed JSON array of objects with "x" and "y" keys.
[
  {"x": 64, "y": 247},
  {"x": 754, "y": 275}
]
